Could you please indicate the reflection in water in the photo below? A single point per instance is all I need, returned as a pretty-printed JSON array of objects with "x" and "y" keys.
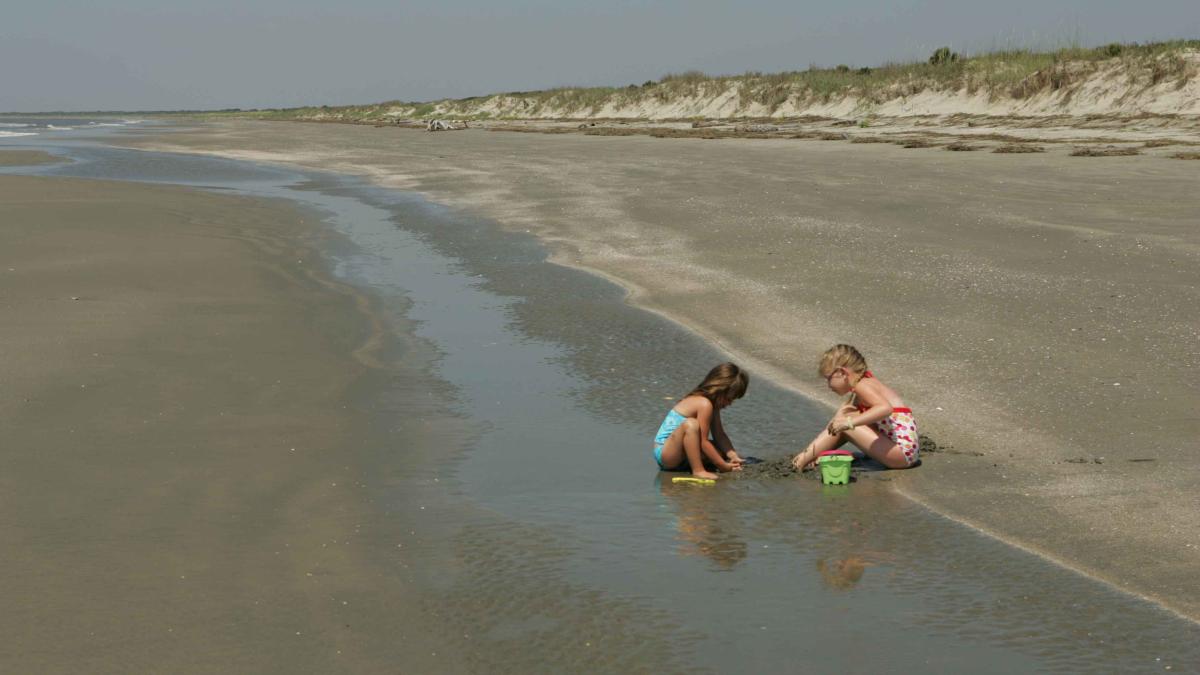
[
  {"x": 700, "y": 531},
  {"x": 848, "y": 553},
  {"x": 842, "y": 574}
]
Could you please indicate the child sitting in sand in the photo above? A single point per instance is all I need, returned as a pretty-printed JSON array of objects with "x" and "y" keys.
[
  {"x": 692, "y": 432},
  {"x": 874, "y": 417}
]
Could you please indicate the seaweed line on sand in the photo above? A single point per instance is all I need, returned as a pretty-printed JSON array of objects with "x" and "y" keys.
[
  {"x": 959, "y": 146},
  {"x": 1108, "y": 151},
  {"x": 1019, "y": 148}
]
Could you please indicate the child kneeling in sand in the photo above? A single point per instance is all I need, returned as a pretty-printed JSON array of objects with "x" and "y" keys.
[
  {"x": 683, "y": 441},
  {"x": 874, "y": 417}
]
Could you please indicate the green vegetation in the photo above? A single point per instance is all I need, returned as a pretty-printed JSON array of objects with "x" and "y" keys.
[
  {"x": 1016, "y": 74},
  {"x": 943, "y": 56}
]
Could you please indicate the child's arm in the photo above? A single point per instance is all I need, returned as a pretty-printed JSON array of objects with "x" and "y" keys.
[
  {"x": 721, "y": 439},
  {"x": 705, "y": 415},
  {"x": 871, "y": 398}
]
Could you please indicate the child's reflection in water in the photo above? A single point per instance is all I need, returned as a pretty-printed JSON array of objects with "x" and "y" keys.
[
  {"x": 843, "y": 569},
  {"x": 699, "y": 531},
  {"x": 842, "y": 573},
  {"x": 702, "y": 529}
]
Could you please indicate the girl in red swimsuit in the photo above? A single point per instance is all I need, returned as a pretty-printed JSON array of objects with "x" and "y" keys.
[{"x": 874, "y": 417}]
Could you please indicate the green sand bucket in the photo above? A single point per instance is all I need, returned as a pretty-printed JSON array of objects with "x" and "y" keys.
[{"x": 835, "y": 466}]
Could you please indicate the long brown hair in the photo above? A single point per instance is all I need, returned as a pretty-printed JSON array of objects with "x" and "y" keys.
[{"x": 725, "y": 381}]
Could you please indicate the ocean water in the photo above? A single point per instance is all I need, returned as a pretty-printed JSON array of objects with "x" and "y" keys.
[
  {"x": 14, "y": 126},
  {"x": 541, "y": 537}
]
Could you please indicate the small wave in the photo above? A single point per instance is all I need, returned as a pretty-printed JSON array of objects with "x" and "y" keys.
[
  {"x": 104, "y": 124},
  {"x": 14, "y": 134},
  {"x": 54, "y": 128},
  {"x": 12, "y": 125}
]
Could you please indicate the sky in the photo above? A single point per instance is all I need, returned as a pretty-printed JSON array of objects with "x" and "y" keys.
[{"x": 79, "y": 55}]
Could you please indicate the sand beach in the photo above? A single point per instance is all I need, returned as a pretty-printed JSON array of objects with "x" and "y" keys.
[
  {"x": 328, "y": 348},
  {"x": 26, "y": 158},
  {"x": 1038, "y": 310},
  {"x": 178, "y": 446},
  {"x": 286, "y": 417}
]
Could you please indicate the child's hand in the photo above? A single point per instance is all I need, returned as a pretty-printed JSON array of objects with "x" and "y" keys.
[
  {"x": 726, "y": 467},
  {"x": 734, "y": 458},
  {"x": 838, "y": 424}
]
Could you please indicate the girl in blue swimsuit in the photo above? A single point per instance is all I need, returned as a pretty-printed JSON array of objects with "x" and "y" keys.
[{"x": 692, "y": 434}]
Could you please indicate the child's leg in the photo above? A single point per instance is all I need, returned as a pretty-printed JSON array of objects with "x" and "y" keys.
[
  {"x": 880, "y": 448},
  {"x": 824, "y": 441},
  {"x": 673, "y": 457},
  {"x": 684, "y": 444}
]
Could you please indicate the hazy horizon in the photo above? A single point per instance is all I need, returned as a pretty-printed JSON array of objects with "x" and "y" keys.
[{"x": 138, "y": 55}]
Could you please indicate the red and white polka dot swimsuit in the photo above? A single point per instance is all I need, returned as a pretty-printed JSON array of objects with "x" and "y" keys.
[{"x": 901, "y": 428}]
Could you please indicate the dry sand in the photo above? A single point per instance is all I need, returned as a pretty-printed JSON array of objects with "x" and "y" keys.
[
  {"x": 179, "y": 485},
  {"x": 1041, "y": 312}
]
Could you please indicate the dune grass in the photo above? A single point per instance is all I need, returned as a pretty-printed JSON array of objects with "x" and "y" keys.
[{"x": 1012, "y": 73}]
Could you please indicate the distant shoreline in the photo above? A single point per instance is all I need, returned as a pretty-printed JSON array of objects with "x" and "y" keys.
[{"x": 1171, "y": 137}]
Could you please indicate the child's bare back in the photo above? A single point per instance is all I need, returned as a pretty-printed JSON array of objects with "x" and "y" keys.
[{"x": 692, "y": 434}]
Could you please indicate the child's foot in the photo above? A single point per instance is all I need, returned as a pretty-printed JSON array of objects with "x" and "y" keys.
[{"x": 705, "y": 474}]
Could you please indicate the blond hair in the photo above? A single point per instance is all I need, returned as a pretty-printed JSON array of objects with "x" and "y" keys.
[
  {"x": 842, "y": 356},
  {"x": 725, "y": 381}
]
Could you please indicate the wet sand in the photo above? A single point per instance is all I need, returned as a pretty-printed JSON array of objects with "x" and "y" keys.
[
  {"x": 181, "y": 490},
  {"x": 27, "y": 158},
  {"x": 1039, "y": 311}
]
